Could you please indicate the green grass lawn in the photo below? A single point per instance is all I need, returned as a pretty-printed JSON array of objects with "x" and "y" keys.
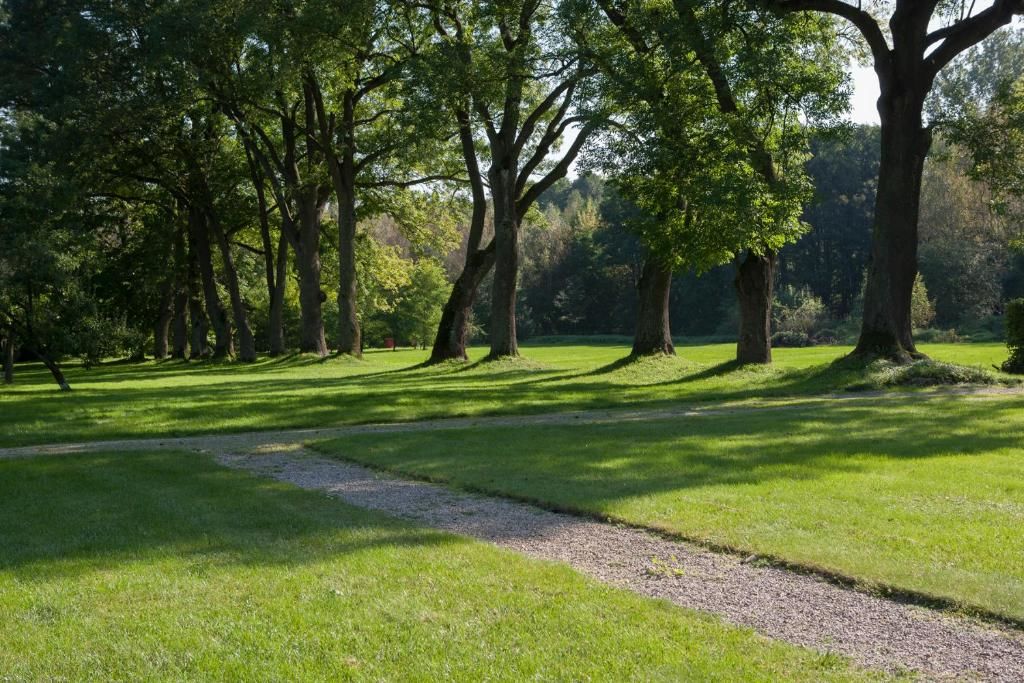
[
  {"x": 168, "y": 567},
  {"x": 174, "y": 398},
  {"x": 924, "y": 496}
]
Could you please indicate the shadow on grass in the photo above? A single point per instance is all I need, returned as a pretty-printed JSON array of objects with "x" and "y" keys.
[{"x": 70, "y": 515}]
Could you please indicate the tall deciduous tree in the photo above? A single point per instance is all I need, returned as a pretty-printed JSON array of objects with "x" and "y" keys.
[
  {"x": 907, "y": 52},
  {"x": 519, "y": 81}
]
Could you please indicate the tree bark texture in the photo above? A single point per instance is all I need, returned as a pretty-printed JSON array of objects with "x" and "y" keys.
[
  {"x": 452, "y": 333},
  {"x": 886, "y": 329},
  {"x": 224, "y": 346},
  {"x": 653, "y": 331},
  {"x": 506, "y": 264},
  {"x": 754, "y": 287},
  {"x": 246, "y": 340}
]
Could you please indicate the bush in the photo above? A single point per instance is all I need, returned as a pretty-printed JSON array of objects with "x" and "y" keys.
[
  {"x": 797, "y": 311},
  {"x": 927, "y": 373},
  {"x": 827, "y": 336},
  {"x": 1015, "y": 336},
  {"x": 791, "y": 340},
  {"x": 934, "y": 336}
]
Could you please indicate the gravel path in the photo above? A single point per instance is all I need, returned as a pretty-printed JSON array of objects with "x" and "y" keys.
[{"x": 782, "y": 604}]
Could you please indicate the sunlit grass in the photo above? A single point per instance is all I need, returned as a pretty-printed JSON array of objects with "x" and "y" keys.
[{"x": 174, "y": 398}]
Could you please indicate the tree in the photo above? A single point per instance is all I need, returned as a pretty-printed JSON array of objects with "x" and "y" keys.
[
  {"x": 906, "y": 73},
  {"x": 713, "y": 154},
  {"x": 515, "y": 77}
]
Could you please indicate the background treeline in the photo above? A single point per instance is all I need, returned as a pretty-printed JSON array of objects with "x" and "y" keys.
[{"x": 206, "y": 178}]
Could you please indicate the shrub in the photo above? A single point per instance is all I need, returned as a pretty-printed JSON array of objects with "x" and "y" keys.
[
  {"x": 827, "y": 336},
  {"x": 797, "y": 311},
  {"x": 1015, "y": 336},
  {"x": 922, "y": 309},
  {"x": 790, "y": 339},
  {"x": 936, "y": 336}
]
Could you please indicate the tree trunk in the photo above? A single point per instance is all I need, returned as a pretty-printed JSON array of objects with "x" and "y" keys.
[
  {"x": 653, "y": 333},
  {"x": 275, "y": 321},
  {"x": 452, "y": 333},
  {"x": 8, "y": 351},
  {"x": 754, "y": 284},
  {"x": 349, "y": 334},
  {"x": 161, "y": 330},
  {"x": 886, "y": 330},
  {"x": 51, "y": 365},
  {"x": 199, "y": 232},
  {"x": 183, "y": 277},
  {"x": 506, "y": 265},
  {"x": 180, "y": 327},
  {"x": 307, "y": 260},
  {"x": 246, "y": 340}
]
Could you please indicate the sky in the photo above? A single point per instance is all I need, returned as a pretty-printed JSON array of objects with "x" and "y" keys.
[{"x": 863, "y": 107}]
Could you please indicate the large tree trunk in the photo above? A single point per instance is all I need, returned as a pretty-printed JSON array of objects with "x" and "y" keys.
[
  {"x": 307, "y": 260},
  {"x": 506, "y": 265},
  {"x": 246, "y": 340},
  {"x": 452, "y": 333},
  {"x": 886, "y": 330},
  {"x": 754, "y": 283},
  {"x": 199, "y": 233},
  {"x": 277, "y": 291},
  {"x": 653, "y": 332},
  {"x": 162, "y": 328},
  {"x": 8, "y": 352}
]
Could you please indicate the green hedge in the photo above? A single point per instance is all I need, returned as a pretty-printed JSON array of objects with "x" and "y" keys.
[{"x": 1015, "y": 336}]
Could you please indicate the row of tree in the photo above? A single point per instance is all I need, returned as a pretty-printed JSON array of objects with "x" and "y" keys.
[{"x": 158, "y": 154}]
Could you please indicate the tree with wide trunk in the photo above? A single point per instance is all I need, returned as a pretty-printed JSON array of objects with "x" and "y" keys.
[
  {"x": 516, "y": 77},
  {"x": 653, "y": 330},
  {"x": 906, "y": 70}
]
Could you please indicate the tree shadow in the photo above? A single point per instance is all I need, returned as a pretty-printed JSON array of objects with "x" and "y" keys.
[{"x": 66, "y": 516}]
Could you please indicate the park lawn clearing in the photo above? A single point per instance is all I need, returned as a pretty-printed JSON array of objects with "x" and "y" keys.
[
  {"x": 170, "y": 398},
  {"x": 924, "y": 496},
  {"x": 166, "y": 566}
]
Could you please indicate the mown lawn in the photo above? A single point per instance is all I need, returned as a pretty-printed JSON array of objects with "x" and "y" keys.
[
  {"x": 925, "y": 495},
  {"x": 168, "y": 567},
  {"x": 174, "y": 398}
]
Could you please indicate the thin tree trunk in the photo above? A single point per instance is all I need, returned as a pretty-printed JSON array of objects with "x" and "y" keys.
[
  {"x": 275, "y": 322},
  {"x": 180, "y": 326},
  {"x": 754, "y": 284},
  {"x": 275, "y": 263},
  {"x": 183, "y": 267},
  {"x": 886, "y": 330},
  {"x": 199, "y": 230},
  {"x": 452, "y": 333},
  {"x": 453, "y": 329},
  {"x": 653, "y": 332},
  {"x": 9, "y": 360},
  {"x": 161, "y": 330},
  {"x": 51, "y": 365},
  {"x": 246, "y": 340}
]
